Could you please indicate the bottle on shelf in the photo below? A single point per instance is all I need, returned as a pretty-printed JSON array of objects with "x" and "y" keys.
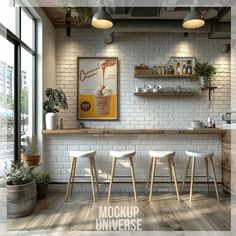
[
  {"x": 184, "y": 69},
  {"x": 209, "y": 122},
  {"x": 189, "y": 68},
  {"x": 178, "y": 69}
]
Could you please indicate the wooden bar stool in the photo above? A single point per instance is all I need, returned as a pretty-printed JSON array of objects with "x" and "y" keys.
[
  {"x": 82, "y": 154},
  {"x": 194, "y": 155},
  {"x": 122, "y": 155},
  {"x": 161, "y": 154}
]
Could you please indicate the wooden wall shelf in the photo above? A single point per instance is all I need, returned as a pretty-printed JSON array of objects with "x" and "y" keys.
[
  {"x": 136, "y": 75},
  {"x": 168, "y": 94},
  {"x": 135, "y": 131}
]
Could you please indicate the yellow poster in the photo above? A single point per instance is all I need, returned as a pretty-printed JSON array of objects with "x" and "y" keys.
[{"x": 97, "y": 88}]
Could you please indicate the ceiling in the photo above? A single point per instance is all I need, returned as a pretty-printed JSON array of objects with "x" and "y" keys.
[{"x": 221, "y": 14}]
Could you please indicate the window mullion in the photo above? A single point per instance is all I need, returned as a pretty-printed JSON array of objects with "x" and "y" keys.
[{"x": 17, "y": 104}]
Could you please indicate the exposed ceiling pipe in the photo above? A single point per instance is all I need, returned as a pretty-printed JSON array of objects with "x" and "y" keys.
[
  {"x": 154, "y": 26},
  {"x": 163, "y": 26}
]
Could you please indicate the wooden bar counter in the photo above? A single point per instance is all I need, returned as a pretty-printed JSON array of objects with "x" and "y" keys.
[{"x": 136, "y": 131}]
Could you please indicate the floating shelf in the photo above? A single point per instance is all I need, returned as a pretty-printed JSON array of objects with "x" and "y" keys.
[
  {"x": 136, "y": 75},
  {"x": 168, "y": 94}
]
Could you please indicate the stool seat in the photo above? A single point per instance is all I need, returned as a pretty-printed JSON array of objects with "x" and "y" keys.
[
  {"x": 122, "y": 154},
  {"x": 82, "y": 153},
  {"x": 199, "y": 154},
  {"x": 161, "y": 154}
]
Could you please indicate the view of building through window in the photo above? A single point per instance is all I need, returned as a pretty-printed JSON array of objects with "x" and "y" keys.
[
  {"x": 6, "y": 98},
  {"x": 26, "y": 65}
]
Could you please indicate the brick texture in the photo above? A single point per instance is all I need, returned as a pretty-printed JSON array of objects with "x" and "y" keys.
[{"x": 139, "y": 112}]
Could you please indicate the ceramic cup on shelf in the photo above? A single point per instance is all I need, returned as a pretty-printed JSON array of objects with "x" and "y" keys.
[
  {"x": 147, "y": 88},
  {"x": 138, "y": 90},
  {"x": 156, "y": 88}
]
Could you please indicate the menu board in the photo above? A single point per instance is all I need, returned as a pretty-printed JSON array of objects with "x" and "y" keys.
[{"x": 97, "y": 88}]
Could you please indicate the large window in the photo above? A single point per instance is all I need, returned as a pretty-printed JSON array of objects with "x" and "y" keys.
[{"x": 17, "y": 79}]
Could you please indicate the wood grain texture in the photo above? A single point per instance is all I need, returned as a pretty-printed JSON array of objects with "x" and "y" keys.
[
  {"x": 135, "y": 131},
  {"x": 164, "y": 213}
]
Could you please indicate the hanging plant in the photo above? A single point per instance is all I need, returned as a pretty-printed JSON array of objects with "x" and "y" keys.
[{"x": 81, "y": 15}]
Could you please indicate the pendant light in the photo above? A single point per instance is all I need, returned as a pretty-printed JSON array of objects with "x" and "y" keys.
[
  {"x": 102, "y": 19},
  {"x": 194, "y": 19}
]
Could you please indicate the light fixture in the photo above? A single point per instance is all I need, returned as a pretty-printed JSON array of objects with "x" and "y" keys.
[
  {"x": 102, "y": 19},
  {"x": 194, "y": 19}
]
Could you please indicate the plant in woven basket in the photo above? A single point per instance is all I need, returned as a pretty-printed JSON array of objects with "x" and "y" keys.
[{"x": 31, "y": 151}]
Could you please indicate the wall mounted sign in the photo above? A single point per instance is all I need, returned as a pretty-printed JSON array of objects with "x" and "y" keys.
[{"x": 97, "y": 88}]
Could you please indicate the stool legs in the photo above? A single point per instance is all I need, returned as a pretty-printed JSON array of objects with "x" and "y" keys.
[
  {"x": 133, "y": 177},
  {"x": 112, "y": 176},
  {"x": 170, "y": 172},
  {"x": 174, "y": 175},
  {"x": 214, "y": 177},
  {"x": 149, "y": 176},
  {"x": 207, "y": 174},
  {"x": 70, "y": 178},
  {"x": 92, "y": 178},
  {"x": 192, "y": 178},
  {"x": 185, "y": 174},
  {"x": 73, "y": 175},
  {"x": 153, "y": 176},
  {"x": 95, "y": 173}
]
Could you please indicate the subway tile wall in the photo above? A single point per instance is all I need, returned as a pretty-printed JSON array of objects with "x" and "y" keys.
[{"x": 139, "y": 112}]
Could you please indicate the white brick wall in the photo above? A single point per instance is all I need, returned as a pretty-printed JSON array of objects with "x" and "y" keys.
[{"x": 139, "y": 112}]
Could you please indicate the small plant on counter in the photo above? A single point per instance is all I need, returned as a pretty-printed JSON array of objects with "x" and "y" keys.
[
  {"x": 19, "y": 174},
  {"x": 42, "y": 181},
  {"x": 205, "y": 72},
  {"x": 56, "y": 99},
  {"x": 31, "y": 151}
]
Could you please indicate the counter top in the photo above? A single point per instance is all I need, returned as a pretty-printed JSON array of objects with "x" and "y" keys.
[{"x": 136, "y": 131}]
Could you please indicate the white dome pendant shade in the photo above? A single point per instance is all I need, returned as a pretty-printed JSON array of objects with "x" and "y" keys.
[
  {"x": 194, "y": 19},
  {"x": 102, "y": 19}
]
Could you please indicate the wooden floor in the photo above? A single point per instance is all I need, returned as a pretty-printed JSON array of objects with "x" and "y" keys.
[{"x": 164, "y": 213}]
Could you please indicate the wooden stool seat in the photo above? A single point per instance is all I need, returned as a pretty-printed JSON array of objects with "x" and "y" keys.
[
  {"x": 122, "y": 155},
  {"x": 93, "y": 172},
  {"x": 194, "y": 155},
  {"x": 161, "y": 154},
  {"x": 79, "y": 154}
]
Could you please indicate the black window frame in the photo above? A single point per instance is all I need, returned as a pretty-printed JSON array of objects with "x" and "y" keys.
[{"x": 15, "y": 39}]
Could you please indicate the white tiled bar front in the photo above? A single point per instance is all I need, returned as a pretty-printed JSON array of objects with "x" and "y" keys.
[
  {"x": 58, "y": 147},
  {"x": 139, "y": 112}
]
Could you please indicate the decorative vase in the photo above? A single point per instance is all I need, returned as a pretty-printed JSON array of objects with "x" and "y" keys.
[
  {"x": 51, "y": 121},
  {"x": 31, "y": 160},
  {"x": 204, "y": 82}
]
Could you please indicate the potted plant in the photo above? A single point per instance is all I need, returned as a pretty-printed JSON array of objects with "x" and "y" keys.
[
  {"x": 80, "y": 15},
  {"x": 42, "y": 181},
  {"x": 56, "y": 99},
  {"x": 31, "y": 151},
  {"x": 205, "y": 72},
  {"x": 21, "y": 191}
]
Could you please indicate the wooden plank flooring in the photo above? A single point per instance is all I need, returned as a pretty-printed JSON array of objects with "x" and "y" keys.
[{"x": 164, "y": 213}]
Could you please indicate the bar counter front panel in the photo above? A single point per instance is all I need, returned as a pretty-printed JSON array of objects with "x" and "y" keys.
[{"x": 58, "y": 143}]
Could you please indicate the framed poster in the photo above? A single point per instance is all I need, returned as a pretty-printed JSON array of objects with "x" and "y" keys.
[{"x": 97, "y": 88}]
